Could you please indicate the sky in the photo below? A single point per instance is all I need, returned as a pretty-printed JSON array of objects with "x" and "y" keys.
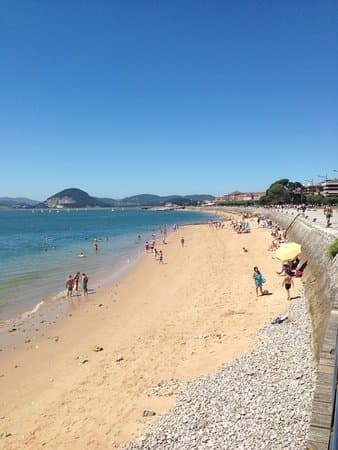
[{"x": 166, "y": 97}]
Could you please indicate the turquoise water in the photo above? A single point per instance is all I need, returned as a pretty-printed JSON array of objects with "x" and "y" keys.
[{"x": 38, "y": 250}]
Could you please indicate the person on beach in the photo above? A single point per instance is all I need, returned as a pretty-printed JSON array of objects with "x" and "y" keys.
[
  {"x": 70, "y": 286},
  {"x": 182, "y": 241},
  {"x": 160, "y": 259},
  {"x": 287, "y": 283},
  {"x": 259, "y": 280},
  {"x": 84, "y": 284},
  {"x": 76, "y": 279}
]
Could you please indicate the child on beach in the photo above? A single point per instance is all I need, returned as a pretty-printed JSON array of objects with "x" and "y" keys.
[
  {"x": 70, "y": 286},
  {"x": 160, "y": 257},
  {"x": 287, "y": 283},
  {"x": 259, "y": 280}
]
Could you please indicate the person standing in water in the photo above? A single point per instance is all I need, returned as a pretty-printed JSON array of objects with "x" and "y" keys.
[
  {"x": 76, "y": 279},
  {"x": 70, "y": 286},
  {"x": 84, "y": 284}
]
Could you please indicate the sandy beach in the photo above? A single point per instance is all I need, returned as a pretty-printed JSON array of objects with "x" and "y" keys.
[{"x": 180, "y": 320}]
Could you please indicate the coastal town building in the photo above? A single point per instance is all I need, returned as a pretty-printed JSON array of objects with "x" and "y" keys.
[
  {"x": 326, "y": 188},
  {"x": 312, "y": 188},
  {"x": 242, "y": 196},
  {"x": 329, "y": 188}
]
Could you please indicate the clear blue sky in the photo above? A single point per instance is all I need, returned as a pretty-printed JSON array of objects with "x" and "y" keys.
[{"x": 166, "y": 97}]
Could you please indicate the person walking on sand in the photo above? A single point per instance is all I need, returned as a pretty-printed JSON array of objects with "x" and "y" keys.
[
  {"x": 69, "y": 286},
  {"x": 160, "y": 260},
  {"x": 259, "y": 280},
  {"x": 287, "y": 283},
  {"x": 84, "y": 284},
  {"x": 182, "y": 241}
]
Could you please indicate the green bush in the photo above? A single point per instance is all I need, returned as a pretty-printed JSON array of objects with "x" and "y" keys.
[{"x": 332, "y": 249}]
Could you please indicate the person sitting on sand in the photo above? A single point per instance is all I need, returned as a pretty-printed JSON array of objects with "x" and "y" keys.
[
  {"x": 259, "y": 280},
  {"x": 287, "y": 283}
]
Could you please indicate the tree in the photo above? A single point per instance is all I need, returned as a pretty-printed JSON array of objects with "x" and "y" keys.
[{"x": 283, "y": 191}]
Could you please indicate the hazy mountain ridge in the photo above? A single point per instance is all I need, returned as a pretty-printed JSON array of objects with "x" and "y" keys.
[
  {"x": 76, "y": 198},
  {"x": 17, "y": 201}
]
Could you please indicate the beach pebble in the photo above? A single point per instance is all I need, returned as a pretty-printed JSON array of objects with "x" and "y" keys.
[
  {"x": 84, "y": 361},
  {"x": 261, "y": 400},
  {"x": 148, "y": 413},
  {"x": 119, "y": 358},
  {"x": 56, "y": 338},
  {"x": 98, "y": 348}
]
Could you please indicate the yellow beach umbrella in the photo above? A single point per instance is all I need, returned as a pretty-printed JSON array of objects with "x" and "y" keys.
[{"x": 288, "y": 251}]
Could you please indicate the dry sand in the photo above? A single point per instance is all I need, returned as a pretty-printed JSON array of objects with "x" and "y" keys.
[{"x": 178, "y": 320}]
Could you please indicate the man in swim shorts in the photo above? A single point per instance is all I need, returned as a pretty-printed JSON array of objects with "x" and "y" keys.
[
  {"x": 84, "y": 284},
  {"x": 70, "y": 286},
  {"x": 287, "y": 283}
]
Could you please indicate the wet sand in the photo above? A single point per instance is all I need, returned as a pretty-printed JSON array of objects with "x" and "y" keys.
[{"x": 178, "y": 320}]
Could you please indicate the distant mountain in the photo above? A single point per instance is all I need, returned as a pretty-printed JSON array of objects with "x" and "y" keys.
[
  {"x": 72, "y": 198},
  {"x": 16, "y": 202},
  {"x": 156, "y": 200},
  {"x": 76, "y": 198}
]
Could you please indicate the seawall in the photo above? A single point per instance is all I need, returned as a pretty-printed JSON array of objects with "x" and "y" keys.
[{"x": 320, "y": 280}]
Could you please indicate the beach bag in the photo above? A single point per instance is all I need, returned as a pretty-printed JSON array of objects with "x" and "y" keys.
[{"x": 263, "y": 280}]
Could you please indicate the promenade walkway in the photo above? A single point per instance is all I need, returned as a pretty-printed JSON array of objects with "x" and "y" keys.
[{"x": 317, "y": 218}]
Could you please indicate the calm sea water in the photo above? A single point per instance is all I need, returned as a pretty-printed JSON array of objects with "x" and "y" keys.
[{"x": 38, "y": 250}]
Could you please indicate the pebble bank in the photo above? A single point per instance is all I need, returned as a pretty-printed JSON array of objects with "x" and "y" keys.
[{"x": 261, "y": 400}]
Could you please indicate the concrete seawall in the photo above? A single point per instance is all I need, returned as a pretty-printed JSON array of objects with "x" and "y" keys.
[{"x": 320, "y": 275}]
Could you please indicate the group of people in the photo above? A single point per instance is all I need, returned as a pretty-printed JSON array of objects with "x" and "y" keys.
[
  {"x": 289, "y": 269},
  {"x": 260, "y": 280},
  {"x": 279, "y": 236},
  {"x": 73, "y": 282}
]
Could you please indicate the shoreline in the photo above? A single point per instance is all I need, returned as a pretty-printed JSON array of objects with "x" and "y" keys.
[
  {"x": 151, "y": 326},
  {"x": 29, "y": 323},
  {"x": 47, "y": 312}
]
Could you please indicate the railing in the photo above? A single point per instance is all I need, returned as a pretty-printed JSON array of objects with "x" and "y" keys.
[{"x": 333, "y": 444}]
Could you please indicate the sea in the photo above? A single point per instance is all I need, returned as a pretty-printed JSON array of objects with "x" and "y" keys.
[{"x": 40, "y": 248}]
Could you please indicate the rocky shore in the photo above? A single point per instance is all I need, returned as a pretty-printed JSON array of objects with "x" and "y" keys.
[{"x": 259, "y": 401}]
